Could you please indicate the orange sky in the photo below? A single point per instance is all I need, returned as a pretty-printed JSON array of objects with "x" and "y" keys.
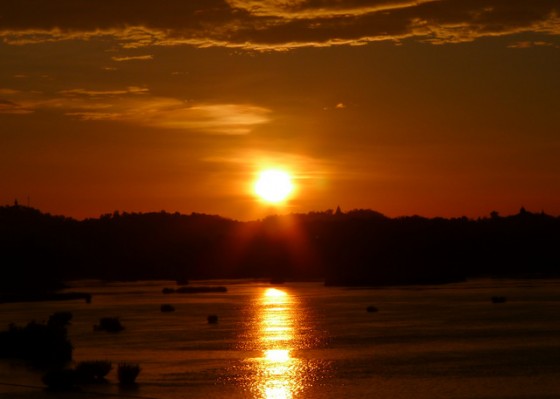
[{"x": 437, "y": 108}]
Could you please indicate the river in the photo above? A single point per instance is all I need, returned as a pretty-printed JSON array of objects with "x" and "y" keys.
[{"x": 304, "y": 340}]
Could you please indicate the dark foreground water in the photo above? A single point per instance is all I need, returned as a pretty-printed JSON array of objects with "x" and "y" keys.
[{"x": 303, "y": 340}]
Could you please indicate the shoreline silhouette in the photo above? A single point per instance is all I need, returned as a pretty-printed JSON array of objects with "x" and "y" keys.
[{"x": 354, "y": 248}]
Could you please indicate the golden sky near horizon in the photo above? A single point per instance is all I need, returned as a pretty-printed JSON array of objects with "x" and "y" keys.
[{"x": 436, "y": 107}]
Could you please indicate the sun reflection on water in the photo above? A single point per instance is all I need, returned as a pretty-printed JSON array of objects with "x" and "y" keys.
[{"x": 278, "y": 374}]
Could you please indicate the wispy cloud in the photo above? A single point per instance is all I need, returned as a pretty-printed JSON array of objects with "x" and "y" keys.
[
  {"x": 302, "y": 167},
  {"x": 314, "y": 9},
  {"x": 101, "y": 93},
  {"x": 133, "y": 58},
  {"x": 135, "y": 105},
  {"x": 9, "y": 92},
  {"x": 228, "y": 119},
  {"x": 530, "y": 44},
  {"x": 274, "y": 24},
  {"x": 9, "y": 107},
  {"x": 10, "y": 102}
]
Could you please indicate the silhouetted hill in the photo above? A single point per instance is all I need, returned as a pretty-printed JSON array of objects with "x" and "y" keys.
[{"x": 359, "y": 247}]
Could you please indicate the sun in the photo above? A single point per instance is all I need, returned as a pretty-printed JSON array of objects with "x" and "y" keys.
[{"x": 273, "y": 185}]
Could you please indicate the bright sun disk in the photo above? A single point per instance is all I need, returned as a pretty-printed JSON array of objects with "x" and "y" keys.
[{"x": 273, "y": 185}]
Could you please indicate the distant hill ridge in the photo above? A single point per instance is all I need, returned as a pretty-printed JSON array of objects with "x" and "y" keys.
[{"x": 358, "y": 247}]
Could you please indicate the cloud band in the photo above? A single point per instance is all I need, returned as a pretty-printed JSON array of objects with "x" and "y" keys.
[{"x": 273, "y": 24}]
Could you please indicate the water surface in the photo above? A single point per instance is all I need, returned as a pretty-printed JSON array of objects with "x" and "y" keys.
[{"x": 303, "y": 340}]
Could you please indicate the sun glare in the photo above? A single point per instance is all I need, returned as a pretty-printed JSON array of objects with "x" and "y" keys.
[
  {"x": 275, "y": 293},
  {"x": 273, "y": 185}
]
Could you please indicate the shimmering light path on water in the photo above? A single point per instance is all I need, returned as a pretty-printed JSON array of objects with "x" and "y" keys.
[{"x": 277, "y": 322}]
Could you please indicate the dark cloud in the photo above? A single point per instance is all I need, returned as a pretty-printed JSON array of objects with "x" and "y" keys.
[
  {"x": 273, "y": 24},
  {"x": 86, "y": 15},
  {"x": 9, "y": 107}
]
